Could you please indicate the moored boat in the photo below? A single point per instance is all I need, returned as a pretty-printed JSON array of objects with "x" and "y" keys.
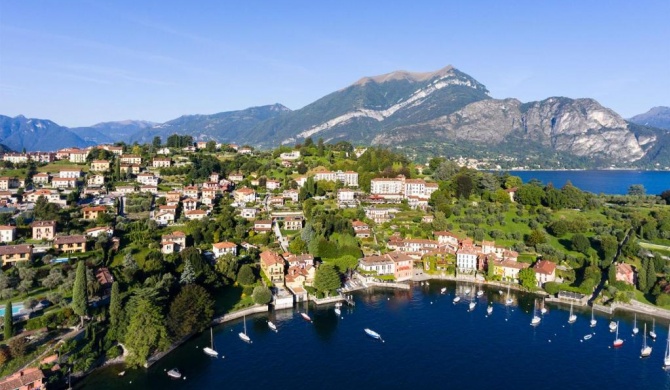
[
  {"x": 443, "y": 290},
  {"x": 652, "y": 332},
  {"x": 617, "y": 341},
  {"x": 174, "y": 373},
  {"x": 338, "y": 311},
  {"x": 306, "y": 317},
  {"x": 272, "y": 326},
  {"x": 635, "y": 328},
  {"x": 210, "y": 351},
  {"x": 613, "y": 326},
  {"x": 536, "y": 319},
  {"x": 666, "y": 359},
  {"x": 489, "y": 310},
  {"x": 373, "y": 334},
  {"x": 480, "y": 293},
  {"x": 457, "y": 299},
  {"x": 593, "y": 319},
  {"x": 646, "y": 350},
  {"x": 243, "y": 335},
  {"x": 573, "y": 318}
]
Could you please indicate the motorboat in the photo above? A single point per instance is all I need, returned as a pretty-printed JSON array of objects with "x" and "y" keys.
[
  {"x": 306, "y": 317},
  {"x": 373, "y": 334},
  {"x": 272, "y": 326},
  {"x": 174, "y": 373},
  {"x": 457, "y": 299}
]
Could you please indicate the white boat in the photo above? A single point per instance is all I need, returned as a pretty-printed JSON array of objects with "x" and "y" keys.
[
  {"x": 306, "y": 317},
  {"x": 500, "y": 292},
  {"x": 536, "y": 319},
  {"x": 666, "y": 359},
  {"x": 617, "y": 341},
  {"x": 210, "y": 350},
  {"x": 472, "y": 305},
  {"x": 508, "y": 301},
  {"x": 443, "y": 290},
  {"x": 243, "y": 335},
  {"x": 174, "y": 373},
  {"x": 122, "y": 373},
  {"x": 635, "y": 328},
  {"x": 338, "y": 311},
  {"x": 593, "y": 319},
  {"x": 489, "y": 310},
  {"x": 480, "y": 293},
  {"x": 588, "y": 337},
  {"x": 652, "y": 332},
  {"x": 457, "y": 299},
  {"x": 272, "y": 326},
  {"x": 543, "y": 310},
  {"x": 646, "y": 350},
  {"x": 573, "y": 318},
  {"x": 373, "y": 334},
  {"x": 467, "y": 290},
  {"x": 613, "y": 326}
]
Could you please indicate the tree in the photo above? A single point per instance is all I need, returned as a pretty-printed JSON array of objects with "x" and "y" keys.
[
  {"x": 530, "y": 195},
  {"x": 642, "y": 284},
  {"x": 18, "y": 346},
  {"x": 79, "y": 292},
  {"x": 513, "y": 181},
  {"x": 190, "y": 311},
  {"x": 156, "y": 143},
  {"x": 527, "y": 278},
  {"x": 246, "y": 275},
  {"x": 188, "y": 274},
  {"x": 650, "y": 270},
  {"x": 9, "y": 325},
  {"x": 665, "y": 195},
  {"x": 115, "y": 313},
  {"x": 445, "y": 170},
  {"x": 636, "y": 190},
  {"x": 327, "y": 278},
  {"x": 535, "y": 237},
  {"x": 608, "y": 247},
  {"x": 146, "y": 331},
  {"x": 464, "y": 185},
  {"x": 210, "y": 146},
  {"x": 261, "y": 295},
  {"x": 580, "y": 243}
]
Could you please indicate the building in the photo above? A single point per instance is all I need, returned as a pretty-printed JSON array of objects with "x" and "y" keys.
[
  {"x": 172, "y": 197},
  {"x": 60, "y": 182},
  {"x": 377, "y": 265},
  {"x": 189, "y": 204},
  {"x": 466, "y": 259},
  {"x": 293, "y": 195},
  {"x": 44, "y": 230},
  {"x": 100, "y": 165},
  {"x": 293, "y": 223},
  {"x": 149, "y": 189},
  {"x": 161, "y": 162},
  {"x": 41, "y": 178},
  {"x": 147, "y": 179},
  {"x": 224, "y": 248},
  {"x": 10, "y": 254},
  {"x": 191, "y": 192},
  {"x": 7, "y": 183},
  {"x": 28, "y": 379},
  {"x": 95, "y": 181},
  {"x": 273, "y": 266},
  {"x": 131, "y": 159},
  {"x": 403, "y": 266},
  {"x": 361, "y": 229},
  {"x": 262, "y": 226},
  {"x": 346, "y": 195},
  {"x": 173, "y": 242},
  {"x": 105, "y": 279},
  {"x": 164, "y": 218},
  {"x": 236, "y": 177},
  {"x": 7, "y": 233},
  {"x": 70, "y": 244},
  {"x": 293, "y": 155},
  {"x": 388, "y": 188},
  {"x": 625, "y": 273},
  {"x": 348, "y": 178},
  {"x": 99, "y": 231},
  {"x": 195, "y": 214},
  {"x": 125, "y": 190},
  {"x": 272, "y": 184},
  {"x": 15, "y": 158},
  {"x": 244, "y": 195},
  {"x": 78, "y": 156},
  {"x": 545, "y": 271},
  {"x": 132, "y": 168},
  {"x": 509, "y": 270},
  {"x": 93, "y": 212},
  {"x": 249, "y": 213}
]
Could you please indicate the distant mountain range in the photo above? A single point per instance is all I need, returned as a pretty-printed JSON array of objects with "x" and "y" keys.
[{"x": 445, "y": 112}]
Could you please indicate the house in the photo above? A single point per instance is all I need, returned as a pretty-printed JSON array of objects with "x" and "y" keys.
[
  {"x": 214, "y": 176},
  {"x": 509, "y": 270},
  {"x": 172, "y": 197},
  {"x": 131, "y": 159},
  {"x": 70, "y": 244},
  {"x": 348, "y": 178},
  {"x": 10, "y": 254},
  {"x": 191, "y": 192},
  {"x": 291, "y": 194},
  {"x": 262, "y": 226},
  {"x": 209, "y": 193},
  {"x": 132, "y": 168},
  {"x": 272, "y": 184},
  {"x": 164, "y": 218},
  {"x": 93, "y": 212},
  {"x": 244, "y": 195},
  {"x": 117, "y": 150},
  {"x": 236, "y": 177},
  {"x": 293, "y": 155},
  {"x": 388, "y": 188},
  {"x": 164, "y": 151},
  {"x": 376, "y": 265},
  {"x": 248, "y": 213},
  {"x": 59, "y": 182},
  {"x": 447, "y": 238},
  {"x": 173, "y": 242},
  {"x": 99, "y": 231},
  {"x": 44, "y": 230},
  {"x": 95, "y": 181},
  {"x": 345, "y": 195},
  {"x": 161, "y": 162},
  {"x": 625, "y": 273},
  {"x": 293, "y": 223},
  {"x": 223, "y": 248},
  {"x": 361, "y": 229},
  {"x": 41, "y": 178},
  {"x": 7, "y": 183},
  {"x": 273, "y": 266},
  {"x": 78, "y": 156},
  {"x": 276, "y": 201},
  {"x": 27, "y": 379},
  {"x": 69, "y": 174},
  {"x": 195, "y": 214},
  {"x": 105, "y": 279},
  {"x": 545, "y": 271},
  {"x": 147, "y": 179},
  {"x": 7, "y": 233},
  {"x": 149, "y": 189},
  {"x": 403, "y": 266},
  {"x": 15, "y": 158},
  {"x": 189, "y": 204},
  {"x": 42, "y": 157},
  {"x": 125, "y": 190},
  {"x": 100, "y": 165},
  {"x": 466, "y": 259}
]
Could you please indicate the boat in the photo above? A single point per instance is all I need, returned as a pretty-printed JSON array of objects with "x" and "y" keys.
[
  {"x": 635, "y": 329},
  {"x": 338, "y": 311},
  {"x": 122, "y": 373},
  {"x": 472, "y": 305},
  {"x": 174, "y": 373},
  {"x": 646, "y": 350},
  {"x": 543, "y": 310},
  {"x": 272, "y": 326},
  {"x": 210, "y": 350},
  {"x": 666, "y": 359},
  {"x": 489, "y": 310},
  {"x": 593, "y": 319},
  {"x": 500, "y": 292},
  {"x": 443, "y": 290},
  {"x": 480, "y": 293},
  {"x": 573, "y": 318},
  {"x": 467, "y": 290},
  {"x": 306, "y": 317},
  {"x": 588, "y": 337},
  {"x": 457, "y": 299},
  {"x": 652, "y": 332},
  {"x": 613, "y": 326},
  {"x": 508, "y": 301},
  {"x": 536, "y": 319},
  {"x": 243, "y": 335},
  {"x": 373, "y": 334},
  {"x": 617, "y": 341}
]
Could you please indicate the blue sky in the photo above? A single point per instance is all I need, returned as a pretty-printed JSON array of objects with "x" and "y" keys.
[{"x": 83, "y": 62}]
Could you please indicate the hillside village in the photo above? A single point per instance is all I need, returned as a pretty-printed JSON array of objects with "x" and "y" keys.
[{"x": 104, "y": 243}]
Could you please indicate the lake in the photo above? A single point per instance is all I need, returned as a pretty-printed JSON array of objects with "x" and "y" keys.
[
  {"x": 607, "y": 182},
  {"x": 429, "y": 343}
]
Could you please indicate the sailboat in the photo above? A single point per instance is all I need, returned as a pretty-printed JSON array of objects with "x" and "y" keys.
[
  {"x": 174, "y": 373},
  {"x": 457, "y": 299},
  {"x": 243, "y": 335},
  {"x": 338, "y": 311},
  {"x": 210, "y": 350},
  {"x": 646, "y": 350},
  {"x": 508, "y": 301},
  {"x": 666, "y": 359},
  {"x": 543, "y": 310},
  {"x": 480, "y": 293},
  {"x": 467, "y": 291},
  {"x": 613, "y": 326},
  {"x": 373, "y": 334},
  {"x": 652, "y": 332},
  {"x": 536, "y": 319},
  {"x": 443, "y": 290},
  {"x": 489, "y": 310},
  {"x": 593, "y": 319},
  {"x": 635, "y": 329},
  {"x": 617, "y": 341},
  {"x": 573, "y": 318},
  {"x": 272, "y": 326},
  {"x": 472, "y": 305}
]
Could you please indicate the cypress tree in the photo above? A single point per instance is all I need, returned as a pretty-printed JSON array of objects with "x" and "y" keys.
[
  {"x": 9, "y": 329},
  {"x": 651, "y": 275},
  {"x": 115, "y": 312},
  {"x": 79, "y": 293}
]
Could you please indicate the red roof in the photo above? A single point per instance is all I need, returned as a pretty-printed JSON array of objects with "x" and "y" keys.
[{"x": 545, "y": 267}]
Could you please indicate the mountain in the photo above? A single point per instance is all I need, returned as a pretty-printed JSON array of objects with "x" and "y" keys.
[
  {"x": 231, "y": 126},
  {"x": 110, "y": 132},
  {"x": 37, "y": 134},
  {"x": 656, "y": 117}
]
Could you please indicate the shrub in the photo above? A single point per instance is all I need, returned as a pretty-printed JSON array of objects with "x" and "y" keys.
[
  {"x": 18, "y": 346},
  {"x": 552, "y": 288},
  {"x": 663, "y": 300}
]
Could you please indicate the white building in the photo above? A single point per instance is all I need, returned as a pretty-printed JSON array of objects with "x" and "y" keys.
[
  {"x": 466, "y": 260},
  {"x": 7, "y": 233},
  {"x": 349, "y": 178},
  {"x": 69, "y": 174},
  {"x": 224, "y": 248}
]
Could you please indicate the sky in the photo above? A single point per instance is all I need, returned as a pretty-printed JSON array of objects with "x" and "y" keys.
[{"x": 83, "y": 62}]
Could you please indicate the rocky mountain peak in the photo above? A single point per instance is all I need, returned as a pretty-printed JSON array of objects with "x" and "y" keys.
[{"x": 405, "y": 75}]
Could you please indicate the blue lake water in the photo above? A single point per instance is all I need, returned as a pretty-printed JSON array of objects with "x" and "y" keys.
[
  {"x": 429, "y": 343},
  {"x": 15, "y": 309},
  {"x": 607, "y": 182}
]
